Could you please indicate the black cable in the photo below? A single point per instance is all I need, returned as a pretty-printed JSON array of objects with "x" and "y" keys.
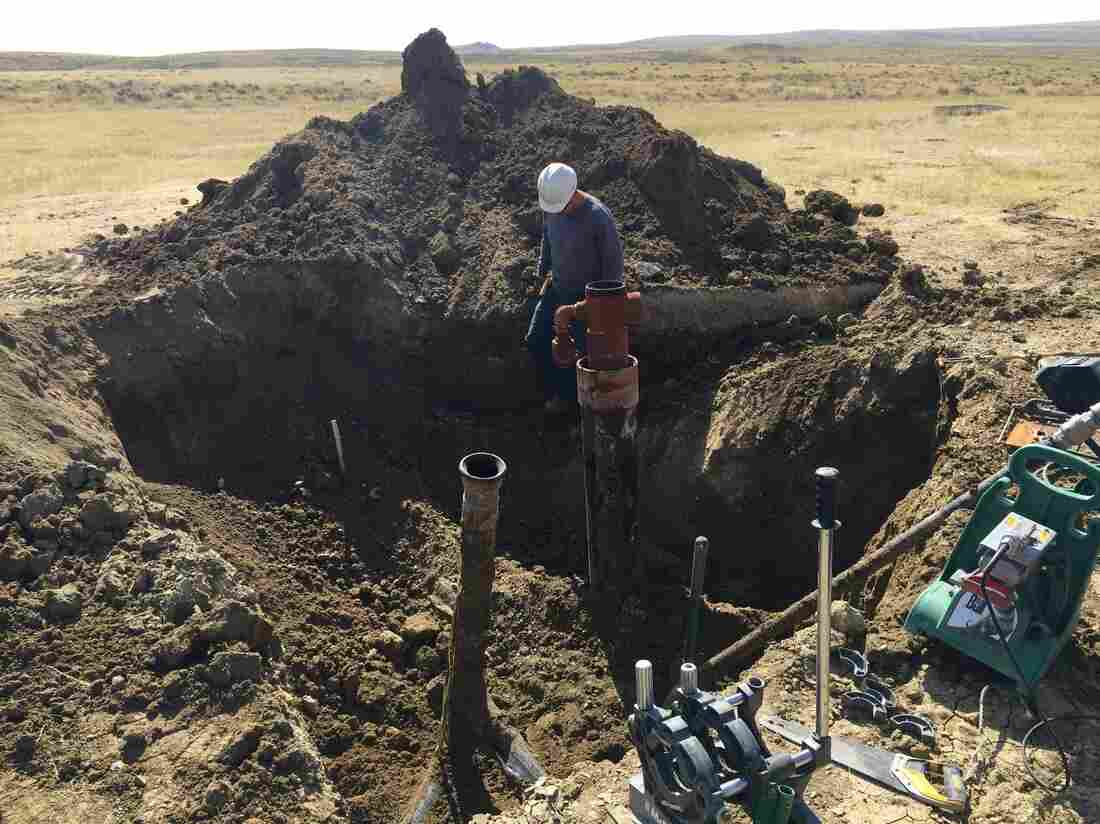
[
  {"x": 993, "y": 614},
  {"x": 1031, "y": 699},
  {"x": 1061, "y": 752}
]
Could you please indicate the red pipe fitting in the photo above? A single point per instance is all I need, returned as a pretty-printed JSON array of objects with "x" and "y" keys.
[
  {"x": 564, "y": 348},
  {"x": 607, "y": 310}
]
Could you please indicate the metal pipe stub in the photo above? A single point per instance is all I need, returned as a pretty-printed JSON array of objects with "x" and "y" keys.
[
  {"x": 698, "y": 570},
  {"x": 605, "y": 311},
  {"x": 608, "y": 390},
  {"x": 699, "y": 565},
  {"x": 689, "y": 678},
  {"x": 643, "y": 685},
  {"x": 825, "y": 480},
  {"x": 482, "y": 474},
  {"x": 609, "y": 425}
]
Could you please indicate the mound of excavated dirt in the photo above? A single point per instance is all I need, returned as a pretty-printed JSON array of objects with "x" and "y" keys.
[{"x": 438, "y": 184}]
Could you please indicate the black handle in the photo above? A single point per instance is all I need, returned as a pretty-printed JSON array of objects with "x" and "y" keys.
[
  {"x": 699, "y": 566},
  {"x": 826, "y": 480}
]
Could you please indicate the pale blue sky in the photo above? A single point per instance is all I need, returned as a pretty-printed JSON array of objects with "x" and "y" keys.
[{"x": 139, "y": 27}]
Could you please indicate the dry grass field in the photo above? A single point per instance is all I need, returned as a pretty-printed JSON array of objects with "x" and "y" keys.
[{"x": 82, "y": 148}]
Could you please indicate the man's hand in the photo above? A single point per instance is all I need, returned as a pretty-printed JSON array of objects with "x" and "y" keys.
[{"x": 546, "y": 285}]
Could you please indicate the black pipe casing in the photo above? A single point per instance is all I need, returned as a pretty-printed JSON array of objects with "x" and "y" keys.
[{"x": 825, "y": 483}]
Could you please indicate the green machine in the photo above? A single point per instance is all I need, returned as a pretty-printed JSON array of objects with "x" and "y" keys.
[
  {"x": 1012, "y": 588},
  {"x": 1011, "y": 592}
]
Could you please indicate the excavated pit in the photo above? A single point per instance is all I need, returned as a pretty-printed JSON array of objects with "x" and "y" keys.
[
  {"x": 235, "y": 384},
  {"x": 381, "y": 271}
]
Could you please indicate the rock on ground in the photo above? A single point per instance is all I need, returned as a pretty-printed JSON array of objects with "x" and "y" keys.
[
  {"x": 229, "y": 667},
  {"x": 64, "y": 603}
]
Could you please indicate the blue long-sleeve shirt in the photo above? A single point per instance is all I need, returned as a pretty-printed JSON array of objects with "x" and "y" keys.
[{"x": 581, "y": 247}]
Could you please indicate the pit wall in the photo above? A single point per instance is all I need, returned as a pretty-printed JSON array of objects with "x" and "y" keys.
[
  {"x": 235, "y": 378},
  {"x": 50, "y": 410},
  {"x": 737, "y": 463}
]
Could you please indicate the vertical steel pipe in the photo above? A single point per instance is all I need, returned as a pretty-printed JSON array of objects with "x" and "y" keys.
[
  {"x": 482, "y": 475},
  {"x": 609, "y": 426},
  {"x": 466, "y": 722},
  {"x": 698, "y": 572},
  {"x": 825, "y": 479},
  {"x": 339, "y": 446}
]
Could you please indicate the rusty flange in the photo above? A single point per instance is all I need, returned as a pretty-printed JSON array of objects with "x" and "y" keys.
[{"x": 608, "y": 390}]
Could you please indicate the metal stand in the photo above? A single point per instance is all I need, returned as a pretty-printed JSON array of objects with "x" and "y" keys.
[{"x": 825, "y": 480}]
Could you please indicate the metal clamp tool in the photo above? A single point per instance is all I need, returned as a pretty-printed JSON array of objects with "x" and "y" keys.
[
  {"x": 705, "y": 752},
  {"x": 879, "y": 704},
  {"x": 840, "y": 658}
]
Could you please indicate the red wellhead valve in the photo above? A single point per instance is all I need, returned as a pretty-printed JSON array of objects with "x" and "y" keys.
[{"x": 607, "y": 310}]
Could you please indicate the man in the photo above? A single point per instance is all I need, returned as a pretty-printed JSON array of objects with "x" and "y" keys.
[{"x": 580, "y": 245}]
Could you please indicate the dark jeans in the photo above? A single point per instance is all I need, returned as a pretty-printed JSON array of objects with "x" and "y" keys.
[{"x": 554, "y": 381}]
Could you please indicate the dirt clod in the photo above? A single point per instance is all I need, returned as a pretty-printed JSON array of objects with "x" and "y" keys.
[
  {"x": 973, "y": 277},
  {"x": 848, "y": 620},
  {"x": 228, "y": 667},
  {"x": 65, "y": 603},
  {"x": 837, "y": 206},
  {"x": 420, "y": 628},
  {"x": 216, "y": 797},
  {"x": 882, "y": 243}
]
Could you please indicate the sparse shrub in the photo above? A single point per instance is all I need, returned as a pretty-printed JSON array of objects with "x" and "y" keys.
[{"x": 966, "y": 88}]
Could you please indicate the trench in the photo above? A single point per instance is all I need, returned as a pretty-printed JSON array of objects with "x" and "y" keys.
[{"x": 235, "y": 384}]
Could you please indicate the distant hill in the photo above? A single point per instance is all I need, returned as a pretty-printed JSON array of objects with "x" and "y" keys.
[
  {"x": 1053, "y": 35},
  {"x": 51, "y": 61},
  {"x": 479, "y": 48}
]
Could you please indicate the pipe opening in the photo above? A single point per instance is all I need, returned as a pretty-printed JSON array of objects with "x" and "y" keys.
[
  {"x": 483, "y": 466},
  {"x": 630, "y": 362},
  {"x": 605, "y": 288}
]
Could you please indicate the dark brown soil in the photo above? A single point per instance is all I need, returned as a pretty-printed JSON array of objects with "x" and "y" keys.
[{"x": 436, "y": 188}]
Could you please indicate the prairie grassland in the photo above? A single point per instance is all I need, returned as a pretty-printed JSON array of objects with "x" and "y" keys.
[
  {"x": 861, "y": 122},
  {"x": 902, "y": 153},
  {"x": 732, "y": 75},
  {"x": 74, "y": 132}
]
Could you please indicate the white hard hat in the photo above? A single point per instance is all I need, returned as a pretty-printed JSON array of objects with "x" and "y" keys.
[{"x": 557, "y": 182}]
